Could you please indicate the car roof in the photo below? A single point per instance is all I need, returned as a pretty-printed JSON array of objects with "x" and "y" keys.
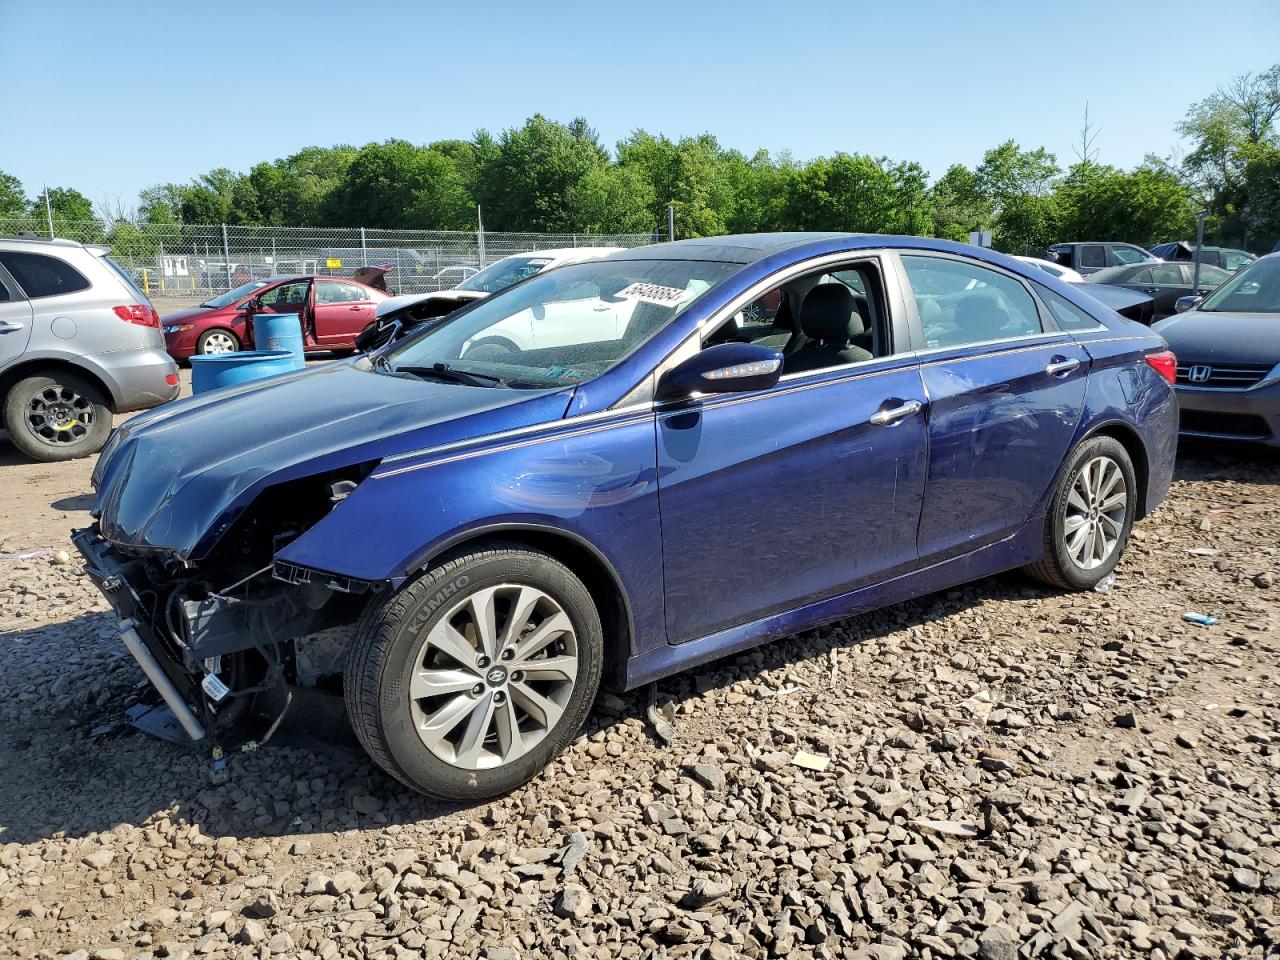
[
  {"x": 735, "y": 248},
  {"x": 36, "y": 241}
]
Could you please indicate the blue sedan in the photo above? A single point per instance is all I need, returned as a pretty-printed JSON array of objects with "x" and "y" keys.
[{"x": 616, "y": 470}]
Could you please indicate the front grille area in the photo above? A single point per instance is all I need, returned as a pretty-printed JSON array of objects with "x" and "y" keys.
[
  {"x": 1239, "y": 376},
  {"x": 1243, "y": 425}
]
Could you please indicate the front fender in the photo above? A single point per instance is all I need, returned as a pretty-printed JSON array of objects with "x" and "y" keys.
[{"x": 594, "y": 482}]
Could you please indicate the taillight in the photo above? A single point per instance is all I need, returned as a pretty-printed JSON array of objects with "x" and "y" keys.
[
  {"x": 137, "y": 313},
  {"x": 1164, "y": 363},
  {"x": 170, "y": 379}
]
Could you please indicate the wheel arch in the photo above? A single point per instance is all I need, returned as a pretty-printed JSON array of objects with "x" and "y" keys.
[
  {"x": 580, "y": 556},
  {"x": 218, "y": 328},
  {"x": 37, "y": 366},
  {"x": 1129, "y": 438}
]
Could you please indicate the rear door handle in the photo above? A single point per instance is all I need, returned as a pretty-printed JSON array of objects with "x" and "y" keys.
[
  {"x": 1060, "y": 366},
  {"x": 885, "y": 418},
  {"x": 8, "y": 326}
]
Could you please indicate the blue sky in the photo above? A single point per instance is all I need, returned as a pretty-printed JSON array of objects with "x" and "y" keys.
[{"x": 111, "y": 97}]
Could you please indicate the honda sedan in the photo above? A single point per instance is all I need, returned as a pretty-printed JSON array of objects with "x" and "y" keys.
[
  {"x": 745, "y": 437},
  {"x": 332, "y": 311}
]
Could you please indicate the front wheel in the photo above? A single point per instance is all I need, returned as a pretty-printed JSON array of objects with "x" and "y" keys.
[
  {"x": 1090, "y": 516},
  {"x": 468, "y": 681},
  {"x": 57, "y": 416},
  {"x": 217, "y": 341}
]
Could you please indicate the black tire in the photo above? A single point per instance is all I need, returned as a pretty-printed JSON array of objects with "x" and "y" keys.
[
  {"x": 57, "y": 416},
  {"x": 387, "y": 638},
  {"x": 492, "y": 348},
  {"x": 1057, "y": 567},
  {"x": 203, "y": 340}
]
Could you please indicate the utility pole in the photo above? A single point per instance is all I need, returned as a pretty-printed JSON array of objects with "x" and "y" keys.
[
  {"x": 48, "y": 210},
  {"x": 1195, "y": 273},
  {"x": 480, "y": 236},
  {"x": 671, "y": 221}
]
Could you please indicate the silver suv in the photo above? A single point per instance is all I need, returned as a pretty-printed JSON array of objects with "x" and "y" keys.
[{"x": 78, "y": 342}]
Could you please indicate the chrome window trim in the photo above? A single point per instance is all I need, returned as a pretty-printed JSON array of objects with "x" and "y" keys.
[{"x": 713, "y": 322}]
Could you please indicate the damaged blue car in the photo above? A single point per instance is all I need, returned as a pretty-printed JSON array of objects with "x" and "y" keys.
[{"x": 616, "y": 470}]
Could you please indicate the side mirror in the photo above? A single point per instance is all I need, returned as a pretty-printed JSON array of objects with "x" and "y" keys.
[
  {"x": 1183, "y": 304},
  {"x": 253, "y": 305},
  {"x": 724, "y": 368}
]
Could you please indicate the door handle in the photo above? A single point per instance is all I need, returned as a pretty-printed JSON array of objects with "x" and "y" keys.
[
  {"x": 1152, "y": 290},
  {"x": 1058, "y": 367},
  {"x": 8, "y": 326},
  {"x": 885, "y": 418}
]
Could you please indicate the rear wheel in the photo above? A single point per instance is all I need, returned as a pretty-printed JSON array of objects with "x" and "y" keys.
[
  {"x": 217, "y": 341},
  {"x": 58, "y": 416},
  {"x": 1090, "y": 516},
  {"x": 468, "y": 681}
]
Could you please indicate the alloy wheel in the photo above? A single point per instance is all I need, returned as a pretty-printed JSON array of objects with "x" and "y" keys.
[
  {"x": 218, "y": 342},
  {"x": 1095, "y": 514},
  {"x": 59, "y": 416},
  {"x": 493, "y": 676}
]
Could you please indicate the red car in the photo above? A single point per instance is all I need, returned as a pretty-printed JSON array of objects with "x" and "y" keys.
[{"x": 333, "y": 312}]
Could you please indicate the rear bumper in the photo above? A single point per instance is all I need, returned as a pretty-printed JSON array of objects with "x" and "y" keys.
[
  {"x": 138, "y": 378},
  {"x": 1248, "y": 416}
]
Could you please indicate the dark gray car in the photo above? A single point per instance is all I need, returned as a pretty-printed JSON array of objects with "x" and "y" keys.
[
  {"x": 1228, "y": 349},
  {"x": 1164, "y": 283}
]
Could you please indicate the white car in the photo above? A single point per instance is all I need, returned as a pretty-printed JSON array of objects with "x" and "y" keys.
[
  {"x": 497, "y": 276},
  {"x": 1065, "y": 274}
]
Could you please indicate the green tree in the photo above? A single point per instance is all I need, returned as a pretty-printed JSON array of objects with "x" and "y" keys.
[
  {"x": 1019, "y": 185},
  {"x": 13, "y": 199},
  {"x": 161, "y": 203},
  {"x": 526, "y": 176},
  {"x": 1148, "y": 205},
  {"x": 958, "y": 204},
  {"x": 398, "y": 185},
  {"x": 859, "y": 193}
]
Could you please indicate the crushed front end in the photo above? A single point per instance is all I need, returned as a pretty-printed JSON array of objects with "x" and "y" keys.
[{"x": 228, "y": 639}]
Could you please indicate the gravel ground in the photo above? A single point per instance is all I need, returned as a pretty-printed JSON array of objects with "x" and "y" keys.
[{"x": 999, "y": 771}]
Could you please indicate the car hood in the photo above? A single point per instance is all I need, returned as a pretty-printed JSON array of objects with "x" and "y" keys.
[
  {"x": 1247, "y": 338},
  {"x": 183, "y": 316},
  {"x": 393, "y": 304},
  {"x": 176, "y": 478}
]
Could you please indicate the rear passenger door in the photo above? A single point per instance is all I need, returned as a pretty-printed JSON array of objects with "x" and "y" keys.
[{"x": 1006, "y": 392}]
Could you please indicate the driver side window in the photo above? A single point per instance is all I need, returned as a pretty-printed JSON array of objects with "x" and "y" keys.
[{"x": 287, "y": 296}]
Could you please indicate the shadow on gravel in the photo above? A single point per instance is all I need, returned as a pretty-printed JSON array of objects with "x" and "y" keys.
[
  {"x": 83, "y": 769},
  {"x": 1205, "y": 460},
  {"x": 81, "y": 501}
]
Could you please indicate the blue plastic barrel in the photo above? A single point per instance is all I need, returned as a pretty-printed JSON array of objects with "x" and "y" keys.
[
  {"x": 214, "y": 370},
  {"x": 279, "y": 331}
]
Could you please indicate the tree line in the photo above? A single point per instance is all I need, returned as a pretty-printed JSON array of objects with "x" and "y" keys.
[{"x": 546, "y": 176}]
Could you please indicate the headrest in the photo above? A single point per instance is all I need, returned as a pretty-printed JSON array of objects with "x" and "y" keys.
[
  {"x": 981, "y": 316},
  {"x": 831, "y": 312}
]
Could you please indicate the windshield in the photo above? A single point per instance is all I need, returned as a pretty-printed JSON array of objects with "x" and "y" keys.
[
  {"x": 1255, "y": 289},
  {"x": 564, "y": 327},
  {"x": 500, "y": 275},
  {"x": 231, "y": 296}
]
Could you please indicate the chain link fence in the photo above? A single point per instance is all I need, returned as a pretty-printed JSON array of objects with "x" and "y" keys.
[{"x": 200, "y": 260}]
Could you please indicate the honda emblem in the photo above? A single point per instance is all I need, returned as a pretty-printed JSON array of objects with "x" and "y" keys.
[{"x": 1199, "y": 373}]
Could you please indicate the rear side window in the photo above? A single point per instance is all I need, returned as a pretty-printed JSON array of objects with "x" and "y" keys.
[
  {"x": 1068, "y": 315},
  {"x": 40, "y": 275},
  {"x": 1128, "y": 255},
  {"x": 961, "y": 302},
  {"x": 1093, "y": 256},
  {"x": 1167, "y": 273}
]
